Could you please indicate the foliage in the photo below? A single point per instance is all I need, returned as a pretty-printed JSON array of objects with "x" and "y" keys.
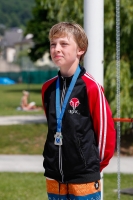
[
  {"x": 126, "y": 88},
  {"x": 39, "y": 26},
  {"x": 126, "y": 31},
  {"x": 15, "y": 13},
  {"x": 109, "y": 32},
  {"x": 126, "y": 54},
  {"x": 2, "y": 29}
]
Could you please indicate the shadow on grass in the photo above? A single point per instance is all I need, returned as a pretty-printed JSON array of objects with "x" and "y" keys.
[{"x": 20, "y": 90}]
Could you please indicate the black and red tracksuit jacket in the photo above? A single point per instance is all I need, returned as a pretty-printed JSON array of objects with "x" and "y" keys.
[{"x": 87, "y": 129}]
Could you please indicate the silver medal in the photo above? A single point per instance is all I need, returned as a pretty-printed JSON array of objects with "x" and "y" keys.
[{"x": 58, "y": 138}]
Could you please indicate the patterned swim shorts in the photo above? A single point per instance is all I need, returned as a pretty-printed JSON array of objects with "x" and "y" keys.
[{"x": 60, "y": 191}]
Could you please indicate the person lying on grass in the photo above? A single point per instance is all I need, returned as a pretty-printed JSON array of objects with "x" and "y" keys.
[{"x": 28, "y": 106}]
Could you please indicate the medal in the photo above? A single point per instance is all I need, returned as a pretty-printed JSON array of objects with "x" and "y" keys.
[{"x": 58, "y": 138}]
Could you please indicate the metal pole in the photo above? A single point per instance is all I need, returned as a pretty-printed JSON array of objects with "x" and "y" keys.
[{"x": 94, "y": 28}]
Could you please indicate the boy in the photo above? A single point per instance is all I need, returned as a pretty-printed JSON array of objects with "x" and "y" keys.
[{"x": 81, "y": 135}]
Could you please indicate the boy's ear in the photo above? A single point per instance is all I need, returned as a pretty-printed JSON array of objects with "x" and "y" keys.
[{"x": 80, "y": 52}]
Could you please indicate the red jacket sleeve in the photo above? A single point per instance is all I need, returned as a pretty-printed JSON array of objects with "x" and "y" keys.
[{"x": 102, "y": 120}]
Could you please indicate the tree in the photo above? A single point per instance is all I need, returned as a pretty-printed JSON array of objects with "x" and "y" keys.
[
  {"x": 2, "y": 29},
  {"x": 126, "y": 32},
  {"x": 126, "y": 88},
  {"x": 15, "y": 13},
  {"x": 126, "y": 54},
  {"x": 39, "y": 26}
]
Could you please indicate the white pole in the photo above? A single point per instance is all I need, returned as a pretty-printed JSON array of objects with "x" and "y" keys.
[{"x": 94, "y": 28}]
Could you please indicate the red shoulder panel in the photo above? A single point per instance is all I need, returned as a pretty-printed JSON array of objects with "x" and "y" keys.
[{"x": 44, "y": 88}]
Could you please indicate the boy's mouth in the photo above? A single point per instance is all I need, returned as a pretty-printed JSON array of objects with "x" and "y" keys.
[{"x": 57, "y": 56}]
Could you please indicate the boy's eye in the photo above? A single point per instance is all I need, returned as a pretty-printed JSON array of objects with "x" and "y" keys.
[
  {"x": 52, "y": 44},
  {"x": 64, "y": 44}
]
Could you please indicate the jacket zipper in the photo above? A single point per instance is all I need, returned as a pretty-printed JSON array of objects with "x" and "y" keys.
[{"x": 60, "y": 148}]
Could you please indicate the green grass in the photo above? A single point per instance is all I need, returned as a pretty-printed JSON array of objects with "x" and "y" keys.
[
  {"x": 22, "y": 139},
  {"x": 110, "y": 186},
  {"x": 31, "y": 186},
  {"x": 22, "y": 186},
  {"x": 10, "y": 97}
]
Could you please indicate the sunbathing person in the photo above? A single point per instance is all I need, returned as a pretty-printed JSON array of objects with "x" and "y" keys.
[{"x": 24, "y": 102}]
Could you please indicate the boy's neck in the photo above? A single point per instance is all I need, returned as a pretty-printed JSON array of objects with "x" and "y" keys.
[{"x": 68, "y": 72}]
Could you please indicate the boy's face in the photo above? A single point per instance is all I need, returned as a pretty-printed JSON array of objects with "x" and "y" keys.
[{"x": 65, "y": 51}]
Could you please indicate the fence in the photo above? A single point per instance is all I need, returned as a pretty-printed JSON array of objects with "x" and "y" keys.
[{"x": 30, "y": 76}]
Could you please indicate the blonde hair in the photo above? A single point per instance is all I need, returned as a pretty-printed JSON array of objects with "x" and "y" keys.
[
  {"x": 25, "y": 92},
  {"x": 66, "y": 28}
]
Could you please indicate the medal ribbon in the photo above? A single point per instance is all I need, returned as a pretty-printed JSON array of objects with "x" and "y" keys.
[{"x": 59, "y": 111}]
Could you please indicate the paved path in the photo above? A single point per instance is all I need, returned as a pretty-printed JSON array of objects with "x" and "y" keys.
[
  {"x": 21, "y": 163},
  {"x": 126, "y": 165},
  {"x": 23, "y": 119},
  {"x": 34, "y": 163}
]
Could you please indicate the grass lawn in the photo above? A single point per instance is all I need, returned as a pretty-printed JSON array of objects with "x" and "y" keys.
[
  {"x": 10, "y": 97},
  {"x": 22, "y": 186},
  {"x": 110, "y": 186},
  {"x": 22, "y": 139},
  {"x": 31, "y": 186}
]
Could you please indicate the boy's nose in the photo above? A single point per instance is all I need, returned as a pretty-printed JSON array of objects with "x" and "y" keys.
[{"x": 57, "y": 47}]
